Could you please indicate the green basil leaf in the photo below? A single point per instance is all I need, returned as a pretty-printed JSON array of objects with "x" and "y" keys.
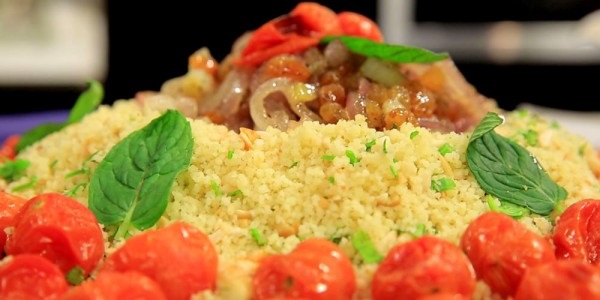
[
  {"x": 131, "y": 185},
  {"x": 87, "y": 102},
  {"x": 388, "y": 52},
  {"x": 509, "y": 172}
]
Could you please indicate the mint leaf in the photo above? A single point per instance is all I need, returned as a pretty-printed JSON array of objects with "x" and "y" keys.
[
  {"x": 131, "y": 185},
  {"x": 509, "y": 172},
  {"x": 87, "y": 102},
  {"x": 388, "y": 52}
]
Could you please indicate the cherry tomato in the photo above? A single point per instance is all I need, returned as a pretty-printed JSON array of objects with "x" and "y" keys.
[
  {"x": 561, "y": 279},
  {"x": 9, "y": 206},
  {"x": 8, "y": 149},
  {"x": 316, "y": 19},
  {"x": 129, "y": 285},
  {"x": 59, "y": 228},
  {"x": 445, "y": 296},
  {"x": 501, "y": 249},
  {"x": 31, "y": 276},
  {"x": 577, "y": 232},
  {"x": 355, "y": 24},
  {"x": 315, "y": 269},
  {"x": 179, "y": 257},
  {"x": 422, "y": 267}
]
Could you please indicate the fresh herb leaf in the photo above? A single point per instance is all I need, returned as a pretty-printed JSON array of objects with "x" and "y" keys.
[
  {"x": 385, "y": 150},
  {"x": 361, "y": 241},
  {"x": 352, "y": 157},
  {"x": 86, "y": 103},
  {"x": 508, "y": 171},
  {"x": 331, "y": 179},
  {"x": 27, "y": 185},
  {"x": 236, "y": 193},
  {"x": 388, "y": 52},
  {"x": 216, "y": 188},
  {"x": 445, "y": 149},
  {"x": 506, "y": 208},
  {"x": 328, "y": 157},
  {"x": 230, "y": 154},
  {"x": 414, "y": 134},
  {"x": 12, "y": 170},
  {"x": 394, "y": 171},
  {"x": 370, "y": 145},
  {"x": 131, "y": 186}
]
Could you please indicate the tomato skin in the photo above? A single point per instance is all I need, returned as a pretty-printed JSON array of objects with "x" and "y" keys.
[
  {"x": 30, "y": 276},
  {"x": 8, "y": 149},
  {"x": 561, "y": 279},
  {"x": 316, "y": 19},
  {"x": 577, "y": 232},
  {"x": 59, "y": 228},
  {"x": 129, "y": 285},
  {"x": 9, "y": 206},
  {"x": 354, "y": 24},
  {"x": 501, "y": 249},
  {"x": 179, "y": 257},
  {"x": 315, "y": 269},
  {"x": 422, "y": 267}
]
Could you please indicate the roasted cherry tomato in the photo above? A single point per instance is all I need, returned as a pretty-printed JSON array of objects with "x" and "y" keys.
[
  {"x": 422, "y": 267},
  {"x": 9, "y": 206},
  {"x": 561, "y": 279},
  {"x": 316, "y": 19},
  {"x": 31, "y": 276},
  {"x": 501, "y": 249},
  {"x": 59, "y": 228},
  {"x": 8, "y": 149},
  {"x": 179, "y": 257},
  {"x": 577, "y": 232},
  {"x": 355, "y": 24},
  {"x": 129, "y": 285},
  {"x": 315, "y": 269}
]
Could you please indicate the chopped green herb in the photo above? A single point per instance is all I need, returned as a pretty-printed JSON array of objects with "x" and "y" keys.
[
  {"x": 394, "y": 172},
  {"x": 327, "y": 157},
  {"x": 29, "y": 184},
  {"x": 53, "y": 164},
  {"x": 257, "y": 237},
  {"x": 12, "y": 170},
  {"x": 508, "y": 171},
  {"x": 336, "y": 239},
  {"x": 236, "y": 193},
  {"x": 131, "y": 186},
  {"x": 388, "y": 52},
  {"x": 86, "y": 103},
  {"x": 352, "y": 157},
  {"x": 420, "y": 230},
  {"x": 414, "y": 134},
  {"x": 555, "y": 125},
  {"x": 370, "y": 145},
  {"x": 442, "y": 184},
  {"x": 216, "y": 188},
  {"x": 581, "y": 149},
  {"x": 230, "y": 154},
  {"x": 385, "y": 150},
  {"x": 76, "y": 188},
  {"x": 294, "y": 164},
  {"x": 531, "y": 136},
  {"x": 75, "y": 276},
  {"x": 522, "y": 113},
  {"x": 331, "y": 179},
  {"x": 361, "y": 241},
  {"x": 506, "y": 208},
  {"x": 445, "y": 149}
]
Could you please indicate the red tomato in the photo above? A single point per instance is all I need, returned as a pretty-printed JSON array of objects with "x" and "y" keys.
[
  {"x": 179, "y": 257},
  {"x": 562, "y": 279},
  {"x": 129, "y": 285},
  {"x": 355, "y": 24},
  {"x": 315, "y": 269},
  {"x": 8, "y": 149},
  {"x": 30, "y": 276},
  {"x": 9, "y": 206},
  {"x": 445, "y": 296},
  {"x": 424, "y": 266},
  {"x": 501, "y": 249},
  {"x": 577, "y": 232},
  {"x": 316, "y": 19},
  {"x": 60, "y": 229}
]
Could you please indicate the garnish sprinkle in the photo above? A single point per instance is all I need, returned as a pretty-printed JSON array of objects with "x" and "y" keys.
[{"x": 362, "y": 243}]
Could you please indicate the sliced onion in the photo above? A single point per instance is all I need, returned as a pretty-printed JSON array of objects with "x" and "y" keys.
[
  {"x": 296, "y": 95},
  {"x": 381, "y": 72},
  {"x": 229, "y": 94}
]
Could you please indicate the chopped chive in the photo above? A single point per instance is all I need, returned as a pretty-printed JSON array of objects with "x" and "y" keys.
[
  {"x": 363, "y": 244},
  {"x": 442, "y": 184},
  {"x": 385, "y": 150},
  {"x": 74, "y": 189},
  {"x": 352, "y": 157},
  {"x": 216, "y": 188},
  {"x": 74, "y": 173},
  {"x": 555, "y": 125},
  {"x": 414, "y": 134},
  {"x": 257, "y": 237},
  {"x": 370, "y": 145},
  {"x": 531, "y": 136},
  {"x": 294, "y": 164},
  {"x": 53, "y": 164},
  {"x": 236, "y": 193},
  {"x": 394, "y": 172},
  {"x": 420, "y": 230},
  {"x": 30, "y": 184},
  {"x": 230, "y": 154},
  {"x": 581, "y": 150},
  {"x": 331, "y": 179},
  {"x": 445, "y": 149},
  {"x": 336, "y": 239},
  {"x": 328, "y": 157}
]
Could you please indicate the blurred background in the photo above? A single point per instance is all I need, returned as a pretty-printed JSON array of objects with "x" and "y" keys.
[{"x": 541, "y": 52}]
